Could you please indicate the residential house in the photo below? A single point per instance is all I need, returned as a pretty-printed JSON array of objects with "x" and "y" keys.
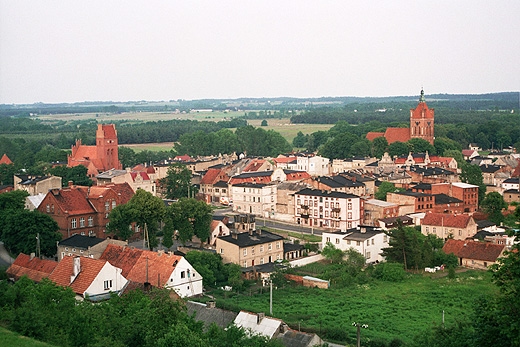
[
  {"x": 5, "y": 160},
  {"x": 489, "y": 174},
  {"x": 328, "y": 209},
  {"x": 466, "y": 192},
  {"x": 447, "y": 204},
  {"x": 160, "y": 269},
  {"x": 377, "y": 209},
  {"x": 432, "y": 174},
  {"x": 30, "y": 266},
  {"x": 284, "y": 210},
  {"x": 411, "y": 202},
  {"x": 283, "y": 162},
  {"x": 217, "y": 228},
  {"x": 101, "y": 157},
  {"x": 85, "y": 246},
  {"x": 254, "y": 198},
  {"x": 251, "y": 248},
  {"x": 393, "y": 222},
  {"x": 474, "y": 254},
  {"x": 354, "y": 163},
  {"x": 512, "y": 195},
  {"x": 445, "y": 225},
  {"x": 35, "y": 185},
  {"x": 33, "y": 201},
  {"x": 92, "y": 279},
  {"x": 84, "y": 210},
  {"x": 244, "y": 222},
  {"x": 367, "y": 240},
  {"x": 214, "y": 183},
  {"x": 136, "y": 179},
  {"x": 512, "y": 183},
  {"x": 469, "y": 154}
]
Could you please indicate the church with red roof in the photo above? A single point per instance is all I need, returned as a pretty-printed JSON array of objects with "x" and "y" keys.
[
  {"x": 99, "y": 158},
  {"x": 421, "y": 126}
]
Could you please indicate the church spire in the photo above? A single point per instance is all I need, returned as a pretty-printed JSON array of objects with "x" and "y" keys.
[{"x": 421, "y": 99}]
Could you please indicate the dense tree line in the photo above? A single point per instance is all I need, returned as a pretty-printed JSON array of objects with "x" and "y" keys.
[{"x": 51, "y": 314}]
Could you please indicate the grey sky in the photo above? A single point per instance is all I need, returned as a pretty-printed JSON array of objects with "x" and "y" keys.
[{"x": 68, "y": 51}]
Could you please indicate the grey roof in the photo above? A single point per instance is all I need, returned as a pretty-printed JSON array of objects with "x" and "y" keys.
[
  {"x": 423, "y": 186},
  {"x": 256, "y": 238},
  {"x": 221, "y": 184},
  {"x": 254, "y": 174},
  {"x": 203, "y": 313},
  {"x": 431, "y": 171},
  {"x": 80, "y": 241},
  {"x": 326, "y": 193},
  {"x": 249, "y": 185},
  {"x": 293, "y": 338},
  {"x": 111, "y": 173},
  {"x": 28, "y": 179},
  {"x": 443, "y": 199},
  {"x": 362, "y": 233},
  {"x": 288, "y": 247},
  {"x": 489, "y": 168},
  {"x": 338, "y": 181}
]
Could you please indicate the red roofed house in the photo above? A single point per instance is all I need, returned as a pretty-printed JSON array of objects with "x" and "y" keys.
[
  {"x": 92, "y": 279},
  {"x": 159, "y": 269},
  {"x": 216, "y": 229},
  {"x": 136, "y": 179},
  {"x": 474, "y": 254},
  {"x": 84, "y": 210},
  {"x": 445, "y": 225},
  {"x": 34, "y": 268},
  {"x": 5, "y": 160},
  {"x": 421, "y": 126},
  {"x": 101, "y": 157},
  {"x": 214, "y": 184}
]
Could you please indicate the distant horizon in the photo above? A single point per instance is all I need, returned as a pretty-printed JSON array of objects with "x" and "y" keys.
[{"x": 254, "y": 98}]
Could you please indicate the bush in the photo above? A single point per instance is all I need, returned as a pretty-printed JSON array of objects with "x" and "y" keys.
[{"x": 390, "y": 272}]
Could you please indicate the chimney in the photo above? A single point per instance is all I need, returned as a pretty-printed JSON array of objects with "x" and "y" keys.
[
  {"x": 250, "y": 231},
  {"x": 71, "y": 184},
  {"x": 363, "y": 230},
  {"x": 33, "y": 255},
  {"x": 259, "y": 317},
  {"x": 259, "y": 231},
  {"x": 160, "y": 252},
  {"x": 76, "y": 268},
  {"x": 211, "y": 304},
  {"x": 234, "y": 235}
]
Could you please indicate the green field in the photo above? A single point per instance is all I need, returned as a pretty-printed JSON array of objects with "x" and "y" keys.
[
  {"x": 391, "y": 310},
  {"x": 11, "y": 339}
]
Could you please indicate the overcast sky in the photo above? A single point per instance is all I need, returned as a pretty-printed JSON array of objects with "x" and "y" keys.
[{"x": 69, "y": 51}]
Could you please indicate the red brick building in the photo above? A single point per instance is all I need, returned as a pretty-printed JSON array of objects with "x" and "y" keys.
[
  {"x": 101, "y": 157},
  {"x": 421, "y": 126},
  {"x": 84, "y": 210}
]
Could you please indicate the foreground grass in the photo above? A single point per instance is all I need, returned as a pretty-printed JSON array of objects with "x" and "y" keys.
[
  {"x": 12, "y": 339},
  {"x": 391, "y": 310}
]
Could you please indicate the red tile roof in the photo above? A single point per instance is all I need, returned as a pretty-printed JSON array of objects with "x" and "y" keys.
[
  {"x": 135, "y": 263},
  {"x": 89, "y": 270},
  {"x": 297, "y": 175},
  {"x": 36, "y": 269},
  {"x": 447, "y": 220},
  {"x": 109, "y": 130},
  {"x": 143, "y": 175},
  {"x": 484, "y": 251},
  {"x": 373, "y": 135},
  {"x": 254, "y": 165},
  {"x": 397, "y": 134},
  {"x": 5, "y": 160},
  {"x": 72, "y": 200},
  {"x": 213, "y": 175},
  {"x": 285, "y": 160}
]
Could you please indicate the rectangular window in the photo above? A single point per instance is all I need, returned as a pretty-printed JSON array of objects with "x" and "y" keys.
[
  {"x": 368, "y": 242},
  {"x": 358, "y": 243},
  {"x": 326, "y": 204},
  {"x": 73, "y": 223},
  {"x": 221, "y": 251},
  {"x": 245, "y": 263},
  {"x": 261, "y": 248},
  {"x": 298, "y": 202},
  {"x": 183, "y": 274},
  {"x": 372, "y": 241},
  {"x": 348, "y": 242},
  {"x": 270, "y": 246},
  {"x": 328, "y": 239},
  {"x": 349, "y": 206},
  {"x": 48, "y": 208},
  {"x": 113, "y": 204},
  {"x": 82, "y": 222},
  {"x": 337, "y": 241},
  {"x": 261, "y": 260},
  {"x": 245, "y": 251},
  {"x": 278, "y": 245},
  {"x": 107, "y": 206},
  {"x": 368, "y": 255},
  {"x": 90, "y": 221},
  {"x": 108, "y": 284},
  {"x": 252, "y": 250}
]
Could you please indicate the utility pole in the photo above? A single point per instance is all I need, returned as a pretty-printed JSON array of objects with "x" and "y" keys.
[
  {"x": 271, "y": 297},
  {"x": 359, "y": 326},
  {"x": 38, "y": 251}
]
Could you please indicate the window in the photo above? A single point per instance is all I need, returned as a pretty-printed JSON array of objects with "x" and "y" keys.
[
  {"x": 245, "y": 251},
  {"x": 113, "y": 204},
  {"x": 245, "y": 263},
  {"x": 91, "y": 233},
  {"x": 337, "y": 241},
  {"x": 73, "y": 223},
  {"x": 252, "y": 250},
  {"x": 108, "y": 284},
  {"x": 82, "y": 222},
  {"x": 298, "y": 202},
  {"x": 183, "y": 274},
  {"x": 48, "y": 208},
  {"x": 368, "y": 255},
  {"x": 107, "y": 206},
  {"x": 261, "y": 260},
  {"x": 278, "y": 257},
  {"x": 372, "y": 241},
  {"x": 82, "y": 233},
  {"x": 326, "y": 204},
  {"x": 270, "y": 246},
  {"x": 90, "y": 221},
  {"x": 358, "y": 243},
  {"x": 278, "y": 245},
  {"x": 261, "y": 248},
  {"x": 221, "y": 251},
  {"x": 349, "y": 206},
  {"x": 328, "y": 239},
  {"x": 349, "y": 215},
  {"x": 368, "y": 242}
]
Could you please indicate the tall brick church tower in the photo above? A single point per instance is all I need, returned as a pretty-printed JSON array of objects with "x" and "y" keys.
[
  {"x": 106, "y": 146},
  {"x": 421, "y": 121}
]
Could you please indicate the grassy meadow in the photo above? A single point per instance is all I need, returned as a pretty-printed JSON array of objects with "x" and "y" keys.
[
  {"x": 391, "y": 310},
  {"x": 12, "y": 339}
]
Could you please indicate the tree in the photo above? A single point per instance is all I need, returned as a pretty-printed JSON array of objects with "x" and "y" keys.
[
  {"x": 330, "y": 252},
  {"x": 379, "y": 146},
  {"x": 385, "y": 188},
  {"x": 493, "y": 204},
  {"x": 404, "y": 246},
  {"x": 191, "y": 218},
  {"x": 21, "y": 229},
  {"x": 7, "y": 173},
  {"x": 299, "y": 141},
  {"x": 11, "y": 202},
  {"x": 472, "y": 174},
  {"x": 264, "y": 123},
  {"x": 398, "y": 149},
  {"x": 121, "y": 218},
  {"x": 444, "y": 144},
  {"x": 126, "y": 156},
  {"x": 177, "y": 181},
  {"x": 417, "y": 145},
  {"x": 77, "y": 175}
]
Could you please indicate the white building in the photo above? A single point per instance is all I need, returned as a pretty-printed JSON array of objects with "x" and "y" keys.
[
  {"x": 314, "y": 165},
  {"x": 257, "y": 199},
  {"x": 369, "y": 241},
  {"x": 326, "y": 209}
]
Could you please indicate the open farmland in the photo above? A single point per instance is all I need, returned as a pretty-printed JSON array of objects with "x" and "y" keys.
[
  {"x": 287, "y": 129},
  {"x": 392, "y": 310}
]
